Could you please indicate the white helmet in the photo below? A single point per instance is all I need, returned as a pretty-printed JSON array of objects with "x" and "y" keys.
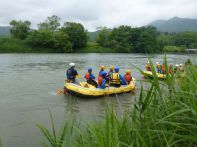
[
  {"x": 176, "y": 65},
  {"x": 72, "y": 64},
  {"x": 157, "y": 62},
  {"x": 148, "y": 61},
  {"x": 181, "y": 64}
]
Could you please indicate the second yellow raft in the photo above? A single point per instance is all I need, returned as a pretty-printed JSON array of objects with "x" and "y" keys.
[{"x": 150, "y": 75}]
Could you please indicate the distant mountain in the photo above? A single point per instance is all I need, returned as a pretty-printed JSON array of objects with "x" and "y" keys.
[
  {"x": 4, "y": 30},
  {"x": 175, "y": 24}
]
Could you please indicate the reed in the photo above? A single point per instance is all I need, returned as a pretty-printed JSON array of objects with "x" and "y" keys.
[{"x": 164, "y": 114}]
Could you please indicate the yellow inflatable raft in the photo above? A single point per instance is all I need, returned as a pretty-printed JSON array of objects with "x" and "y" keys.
[
  {"x": 150, "y": 75},
  {"x": 86, "y": 90}
]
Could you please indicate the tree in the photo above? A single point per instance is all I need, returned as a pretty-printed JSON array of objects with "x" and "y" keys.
[
  {"x": 147, "y": 41},
  {"x": 76, "y": 34},
  {"x": 58, "y": 41},
  {"x": 20, "y": 29},
  {"x": 52, "y": 23},
  {"x": 120, "y": 39},
  {"x": 185, "y": 38},
  {"x": 103, "y": 36}
]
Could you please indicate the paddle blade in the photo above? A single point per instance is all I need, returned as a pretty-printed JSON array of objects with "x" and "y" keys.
[
  {"x": 78, "y": 76},
  {"x": 59, "y": 91}
]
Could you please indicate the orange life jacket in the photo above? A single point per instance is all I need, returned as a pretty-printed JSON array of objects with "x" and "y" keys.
[
  {"x": 148, "y": 67},
  {"x": 100, "y": 80},
  {"x": 163, "y": 67},
  {"x": 87, "y": 76},
  {"x": 127, "y": 77}
]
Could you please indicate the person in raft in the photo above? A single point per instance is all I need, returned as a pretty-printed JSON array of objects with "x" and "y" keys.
[
  {"x": 71, "y": 73},
  {"x": 128, "y": 77},
  {"x": 101, "y": 80},
  {"x": 163, "y": 68},
  {"x": 158, "y": 67},
  {"x": 117, "y": 79},
  {"x": 101, "y": 70},
  {"x": 111, "y": 70},
  {"x": 91, "y": 78},
  {"x": 148, "y": 66}
]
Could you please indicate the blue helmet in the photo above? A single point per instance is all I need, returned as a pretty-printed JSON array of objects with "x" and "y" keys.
[
  {"x": 104, "y": 73},
  {"x": 116, "y": 69},
  {"x": 89, "y": 69}
]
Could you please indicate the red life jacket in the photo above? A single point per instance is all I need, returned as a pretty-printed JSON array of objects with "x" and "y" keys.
[
  {"x": 127, "y": 77},
  {"x": 100, "y": 80},
  {"x": 87, "y": 76}
]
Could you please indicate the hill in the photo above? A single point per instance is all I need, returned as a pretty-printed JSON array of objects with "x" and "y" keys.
[
  {"x": 175, "y": 24},
  {"x": 4, "y": 30}
]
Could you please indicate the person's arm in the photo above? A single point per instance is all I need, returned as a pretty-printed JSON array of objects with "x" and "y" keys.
[
  {"x": 123, "y": 81},
  {"x": 104, "y": 83},
  {"x": 75, "y": 72},
  {"x": 92, "y": 76}
]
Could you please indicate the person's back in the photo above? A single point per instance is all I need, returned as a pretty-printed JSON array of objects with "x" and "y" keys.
[
  {"x": 117, "y": 79},
  {"x": 90, "y": 77},
  {"x": 148, "y": 66},
  {"x": 158, "y": 67},
  {"x": 163, "y": 69},
  {"x": 128, "y": 77},
  {"x": 101, "y": 81},
  {"x": 102, "y": 68},
  {"x": 71, "y": 73}
]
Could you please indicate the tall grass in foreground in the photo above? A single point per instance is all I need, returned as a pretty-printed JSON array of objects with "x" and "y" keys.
[{"x": 165, "y": 114}]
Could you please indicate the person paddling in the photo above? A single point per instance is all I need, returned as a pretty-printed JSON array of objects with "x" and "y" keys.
[
  {"x": 71, "y": 73},
  {"x": 128, "y": 77},
  {"x": 117, "y": 79},
  {"x": 91, "y": 78},
  {"x": 101, "y": 80}
]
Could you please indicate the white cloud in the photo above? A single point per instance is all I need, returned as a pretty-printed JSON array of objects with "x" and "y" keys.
[{"x": 94, "y": 13}]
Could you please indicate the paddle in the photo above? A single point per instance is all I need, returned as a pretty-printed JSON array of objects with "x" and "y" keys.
[{"x": 60, "y": 91}]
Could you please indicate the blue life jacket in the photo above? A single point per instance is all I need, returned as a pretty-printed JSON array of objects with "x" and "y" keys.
[{"x": 71, "y": 73}]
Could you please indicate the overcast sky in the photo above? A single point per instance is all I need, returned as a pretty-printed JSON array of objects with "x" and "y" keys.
[{"x": 95, "y": 13}]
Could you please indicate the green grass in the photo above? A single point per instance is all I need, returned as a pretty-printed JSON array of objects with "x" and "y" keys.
[
  {"x": 174, "y": 49},
  {"x": 95, "y": 48},
  {"x": 11, "y": 45},
  {"x": 165, "y": 114}
]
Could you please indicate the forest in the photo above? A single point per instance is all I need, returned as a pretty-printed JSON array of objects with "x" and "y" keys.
[{"x": 53, "y": 37}]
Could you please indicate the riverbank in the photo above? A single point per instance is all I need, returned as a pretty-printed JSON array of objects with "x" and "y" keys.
[
  {"x": 163, "y": 115},
  {"x": 12, "y": 45}
]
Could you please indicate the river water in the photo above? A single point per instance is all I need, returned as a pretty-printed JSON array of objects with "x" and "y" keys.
[{"x": 28, "y": 83}]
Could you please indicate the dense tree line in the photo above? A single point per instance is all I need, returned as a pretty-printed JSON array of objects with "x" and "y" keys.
[
  {"x": 72, "y": 37},
  {"x": 50, "y": 34},
  {"x": 182, "y": 40},
  {"x": 128, "y": 39},
  {"x": 144, "y": 39}
]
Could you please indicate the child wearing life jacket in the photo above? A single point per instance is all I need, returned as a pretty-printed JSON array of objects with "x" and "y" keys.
[
  {"x": 91, "y": 78},
  {"x": 102, "y": 68},
  {"x": 128, "y": 77},
  {"x": 111, "y": 70},
  {"x": 101, "y": 80}
]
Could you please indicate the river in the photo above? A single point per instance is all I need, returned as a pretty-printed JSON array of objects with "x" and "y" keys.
[{"x": 28, "y": 83}]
